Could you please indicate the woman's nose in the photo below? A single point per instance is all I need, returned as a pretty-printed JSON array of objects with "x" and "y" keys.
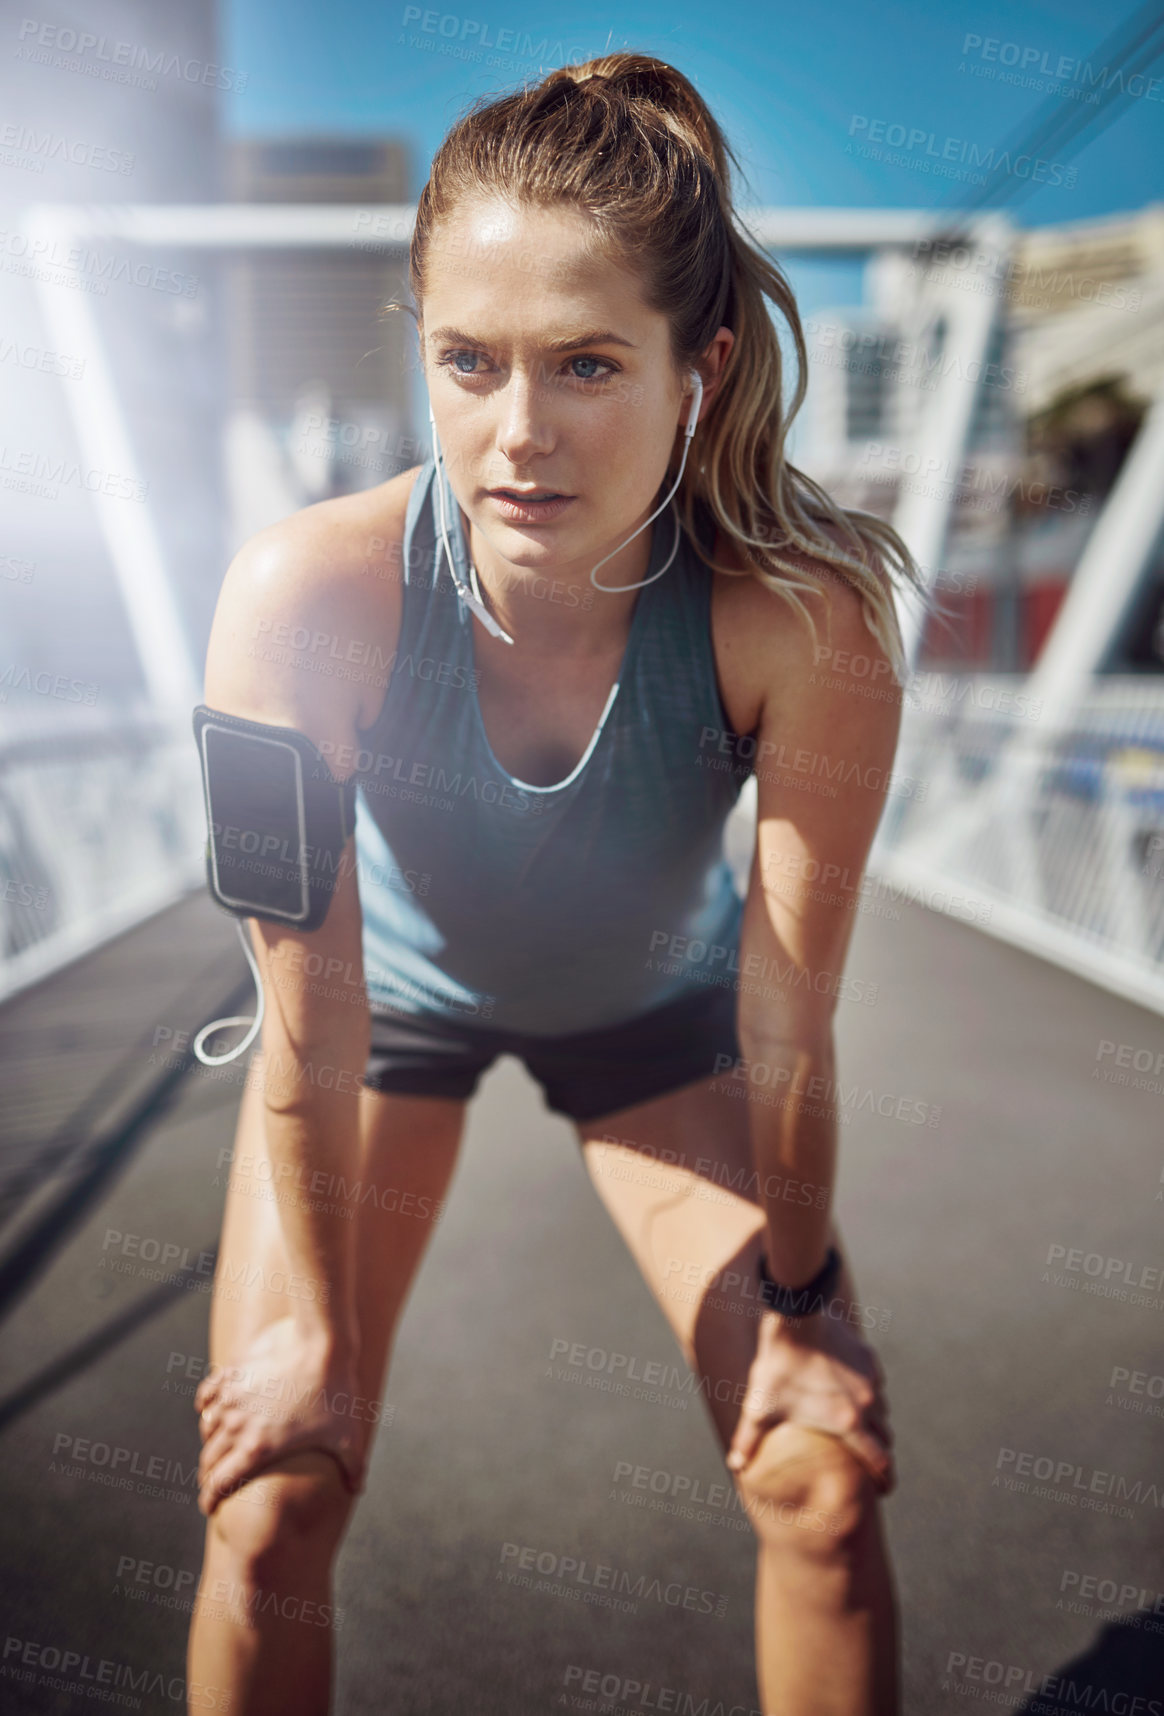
[{"x": 524, "y": 429}]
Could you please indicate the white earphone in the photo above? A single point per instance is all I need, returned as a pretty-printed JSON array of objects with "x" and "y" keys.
[{"x": 472, "y": 598}]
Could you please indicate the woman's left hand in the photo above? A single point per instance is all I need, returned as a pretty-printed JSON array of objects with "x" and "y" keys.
[{"x": 821, "y": 1373}]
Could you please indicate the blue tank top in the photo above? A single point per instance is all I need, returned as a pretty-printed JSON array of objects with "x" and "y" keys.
[{"x": 546, "y": 909}]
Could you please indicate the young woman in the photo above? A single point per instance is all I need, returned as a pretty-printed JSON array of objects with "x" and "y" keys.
[{"x": 544, "y": 773}]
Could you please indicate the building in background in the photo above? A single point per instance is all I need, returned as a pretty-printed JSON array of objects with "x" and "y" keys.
[
  {"x": 318, "y": 371},
  {"x": 1076, "y": 356}
]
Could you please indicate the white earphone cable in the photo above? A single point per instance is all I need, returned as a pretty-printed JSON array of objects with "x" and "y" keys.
[
  {"x": 218, "y": 1024},
  {"x": 466, "y": 595},
  {"x": 688, "y": 432}
]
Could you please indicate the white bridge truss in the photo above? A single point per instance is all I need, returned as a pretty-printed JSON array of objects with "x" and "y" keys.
[{"x": 1046, "y": 829}]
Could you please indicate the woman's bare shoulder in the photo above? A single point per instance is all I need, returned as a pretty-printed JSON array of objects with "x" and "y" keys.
[
  {"x": 309, "y": 613},
  {"x": 768, "y": 649}
]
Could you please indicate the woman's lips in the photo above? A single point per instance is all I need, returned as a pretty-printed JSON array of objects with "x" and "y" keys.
[{"x": 530, "y": 511}]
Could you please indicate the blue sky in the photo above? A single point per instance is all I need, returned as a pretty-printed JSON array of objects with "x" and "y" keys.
[{"x": 800, "y": 89}]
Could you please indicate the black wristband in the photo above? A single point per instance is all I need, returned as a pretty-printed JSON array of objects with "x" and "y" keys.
[{"x": 798, "y": 1302}]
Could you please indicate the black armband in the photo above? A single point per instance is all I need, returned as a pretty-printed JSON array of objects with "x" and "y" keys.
[{"x": 277, "y": 819}]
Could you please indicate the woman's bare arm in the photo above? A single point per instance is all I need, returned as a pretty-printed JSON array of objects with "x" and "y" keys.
[
  {"x": 825, "y": 750},
  {"x": 826, "y": 742},
  {"x": 293, "y": 602}
]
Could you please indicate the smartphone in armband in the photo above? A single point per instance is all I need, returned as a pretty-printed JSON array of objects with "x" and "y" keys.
[{"x": 277, "y": 819}]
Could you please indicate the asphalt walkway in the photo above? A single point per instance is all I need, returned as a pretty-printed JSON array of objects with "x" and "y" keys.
[{"x": 1011, "y": 1239}]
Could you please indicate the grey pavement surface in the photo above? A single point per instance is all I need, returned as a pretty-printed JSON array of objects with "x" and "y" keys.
[{"x": 1026, "y": 1528}]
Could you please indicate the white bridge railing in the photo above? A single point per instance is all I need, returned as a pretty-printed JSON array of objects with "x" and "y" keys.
[
  {"x": 101, "y": 825},
  {"x": 1054, "y": 835},
  {"x": 1053, "y": 839}
]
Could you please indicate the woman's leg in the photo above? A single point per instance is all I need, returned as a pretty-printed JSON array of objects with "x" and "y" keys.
[
  {"x": 676, "y": 1175},
  {"x": 266, "y": 1572}
]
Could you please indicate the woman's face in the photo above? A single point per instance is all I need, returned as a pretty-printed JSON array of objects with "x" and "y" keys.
[{"x": 546, "y": 370}]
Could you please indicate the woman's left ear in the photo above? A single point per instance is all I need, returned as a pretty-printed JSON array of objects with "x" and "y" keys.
[
  {"x": 725, "y": 339},
  {"x": 715, "y": 357}
]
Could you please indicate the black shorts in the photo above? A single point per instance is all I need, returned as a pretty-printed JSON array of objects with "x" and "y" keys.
[{"x": 583, "y": 1074}]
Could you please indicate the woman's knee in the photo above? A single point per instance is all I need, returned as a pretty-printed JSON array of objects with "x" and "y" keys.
[
  {"x": 806, "y": 1492},
  {"x": 287, "y": 1518}
]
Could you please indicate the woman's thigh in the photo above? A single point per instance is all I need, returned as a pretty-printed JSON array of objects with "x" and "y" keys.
[
  {"x": 677, "y": 1178},
  {"x": 407, "y": 1151}
]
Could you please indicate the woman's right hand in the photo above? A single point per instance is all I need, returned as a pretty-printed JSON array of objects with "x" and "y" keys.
[
  {"x": 286, "y": 1390},
  {"x": 820, "y": 1373}
]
